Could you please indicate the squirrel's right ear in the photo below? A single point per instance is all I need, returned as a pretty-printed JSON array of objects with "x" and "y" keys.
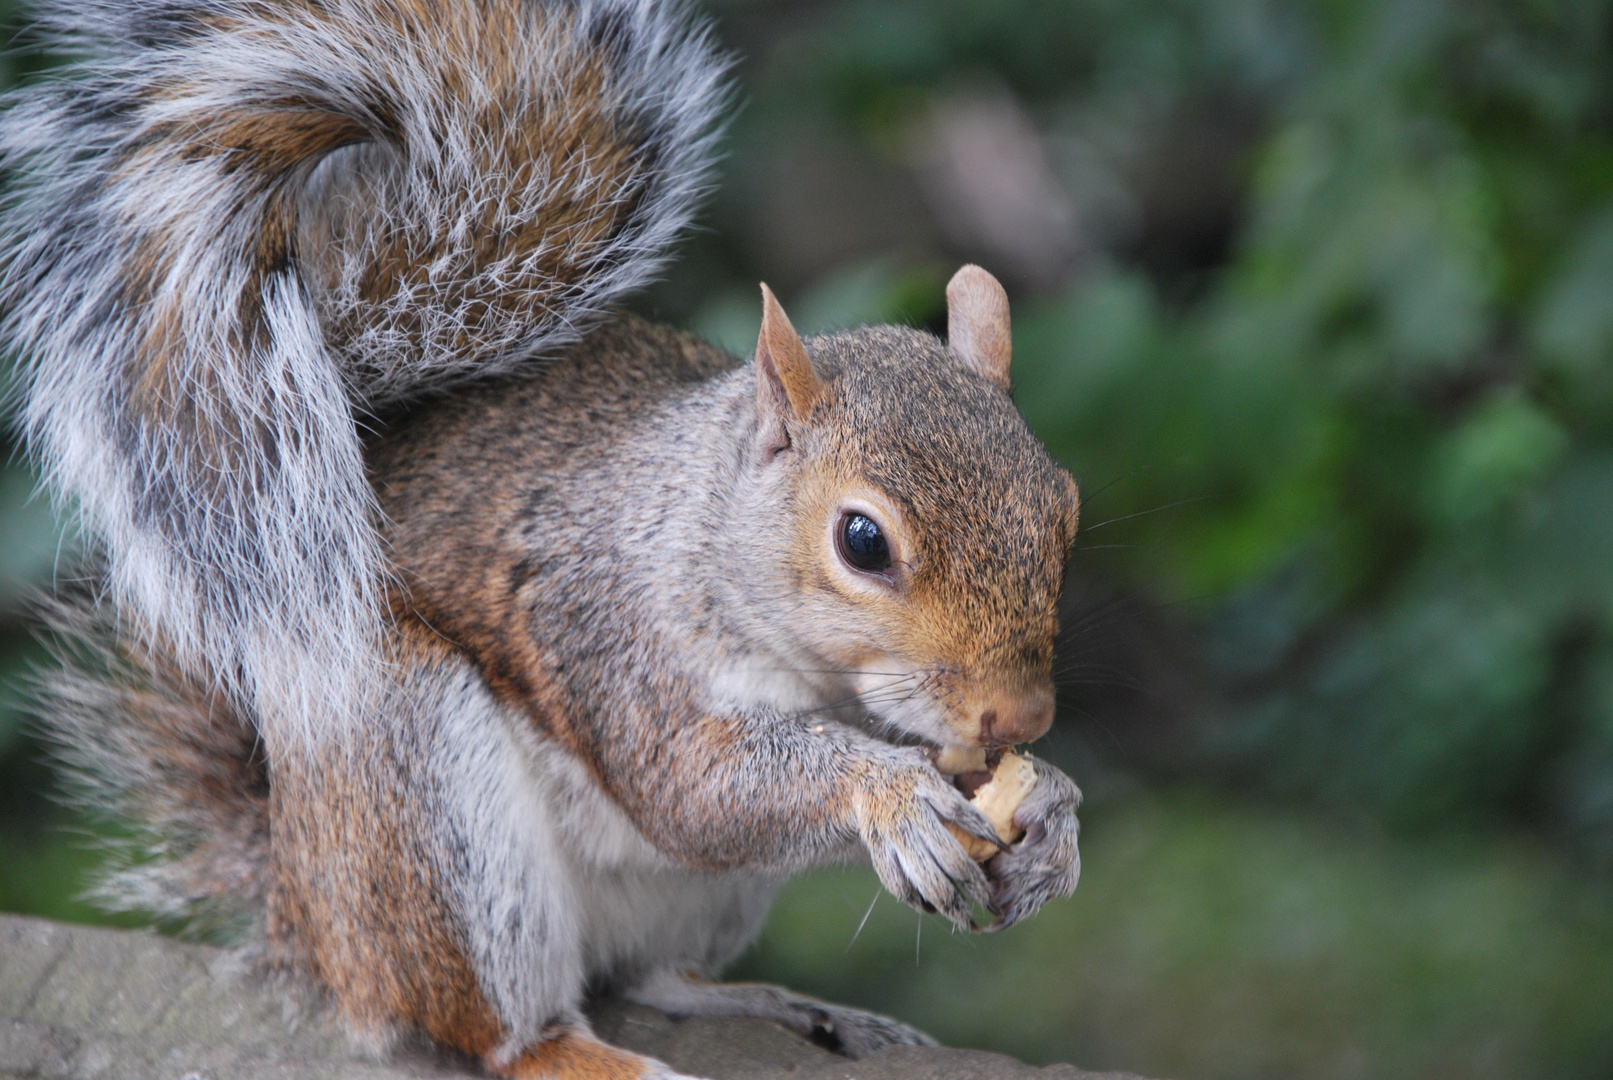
[
  {"x": 977, "y": 324},
  {"x": 787, "y": 387}
]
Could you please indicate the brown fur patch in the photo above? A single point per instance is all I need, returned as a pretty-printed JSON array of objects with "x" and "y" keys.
[
  {"x": 573, "y": 1054},
  {"x": 356, "y": 896},
  {"x": 458, "y": 481},
  {"x": 272, "y": 141}
]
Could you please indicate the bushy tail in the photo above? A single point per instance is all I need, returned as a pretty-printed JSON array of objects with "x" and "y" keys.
[
  {"x": 179, "y": 771},
  {"x": 235, "y": 224}
]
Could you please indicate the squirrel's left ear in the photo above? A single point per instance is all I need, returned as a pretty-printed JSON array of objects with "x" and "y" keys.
[{"x": 977, "y": 323}]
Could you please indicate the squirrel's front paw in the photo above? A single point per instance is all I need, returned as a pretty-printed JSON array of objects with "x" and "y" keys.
[
  {"x": 902, "y": 813},
  {"x": 1046, "y": 864}
]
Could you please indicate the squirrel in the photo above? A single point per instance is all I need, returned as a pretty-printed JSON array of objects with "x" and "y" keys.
[{"x": 490, "y": 646}]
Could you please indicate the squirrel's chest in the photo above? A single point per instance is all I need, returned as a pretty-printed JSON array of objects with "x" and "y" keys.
[
  {"x": 636, "y": 909},
  {"x": 635, "y": 921}
]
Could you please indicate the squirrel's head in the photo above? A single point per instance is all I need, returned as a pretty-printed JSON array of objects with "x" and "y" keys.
[{"x": 924, "y": 528}]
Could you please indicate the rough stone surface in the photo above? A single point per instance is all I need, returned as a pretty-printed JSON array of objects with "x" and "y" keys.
[{"x": 81, "y": 1003}]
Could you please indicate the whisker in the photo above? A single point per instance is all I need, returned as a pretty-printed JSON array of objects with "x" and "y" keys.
[
  {"x": 1121, "y": 681},
  {"x": 1093, "y": 719},
  {"x": 1092, "y": 672},
  {"x": 864, "y": 923},
  {"x": 841, "y": 671},
  {"x": 1074, "y": 666},
  {"x": 1116, "y": 547},
  {"x": 1088, "y": 496},
  {"x": 885, "y": 692},
  {"x": 894, "y": 697},
  {"x": 871, "y": 695},
  {"x": 1155, "y": 510},
  {"x": 1100, "y": 613}
]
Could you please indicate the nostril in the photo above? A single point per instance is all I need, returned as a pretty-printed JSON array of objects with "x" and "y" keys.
[
  {"x": 988, "y": 725},
  {"x": 1014, "y": 719}
]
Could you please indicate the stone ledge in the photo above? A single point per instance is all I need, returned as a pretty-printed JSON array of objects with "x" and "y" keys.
[{"x": 84, "y": 1003}]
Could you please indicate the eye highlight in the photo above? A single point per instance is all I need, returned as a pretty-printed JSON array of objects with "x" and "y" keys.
[{"x": 862, "y": 544}]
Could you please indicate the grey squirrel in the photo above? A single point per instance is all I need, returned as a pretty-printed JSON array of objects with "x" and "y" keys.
[{"x": 497, "y": 647}]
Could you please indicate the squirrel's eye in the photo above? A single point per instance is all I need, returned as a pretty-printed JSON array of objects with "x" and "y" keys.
[{"x": 863, "y": 545}]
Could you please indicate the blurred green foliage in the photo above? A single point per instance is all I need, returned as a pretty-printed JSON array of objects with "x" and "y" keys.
[{"x": 1315, "y": 298}]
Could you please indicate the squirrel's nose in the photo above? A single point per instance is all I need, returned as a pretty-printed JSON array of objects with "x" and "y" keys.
[{"x": 1016, "y": 718}]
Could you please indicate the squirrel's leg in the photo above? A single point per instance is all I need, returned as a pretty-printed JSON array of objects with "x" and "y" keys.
[
  {"x": 356, "y": 899},
  {"x": 417, "y": 874},
  {"x": 849, "y": 1031},
  {"x": 758, "y": 789}
]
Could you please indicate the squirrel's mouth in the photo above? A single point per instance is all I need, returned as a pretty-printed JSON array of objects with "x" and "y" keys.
[{"x": 970, "y": 770}]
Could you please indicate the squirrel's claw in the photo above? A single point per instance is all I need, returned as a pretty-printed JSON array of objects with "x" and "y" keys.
[
  {"x": 849, "y": 1031},
  {"x": 1046, "y": 864},
  {"x": 966, "y": 816},
  {"x": 918, "y": 860}
]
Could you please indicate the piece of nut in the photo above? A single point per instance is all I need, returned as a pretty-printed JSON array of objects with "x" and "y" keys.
[
  {"x": 953, "y": 760},
  {"x": 998, "y": 798}
]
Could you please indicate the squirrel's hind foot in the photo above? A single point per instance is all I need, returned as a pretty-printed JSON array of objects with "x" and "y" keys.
[{"x": 844, "y": 1030}]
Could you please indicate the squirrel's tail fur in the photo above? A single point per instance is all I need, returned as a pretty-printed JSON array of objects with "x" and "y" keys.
[
  {"x": 176, "y": 766},
  {"x": 236, "y": 227}
]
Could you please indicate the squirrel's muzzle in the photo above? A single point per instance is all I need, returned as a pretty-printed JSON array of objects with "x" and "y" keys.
[{"x": 1010, "y": 718}]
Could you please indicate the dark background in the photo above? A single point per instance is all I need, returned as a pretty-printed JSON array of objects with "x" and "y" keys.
[{"x": 1316, "y": 301}]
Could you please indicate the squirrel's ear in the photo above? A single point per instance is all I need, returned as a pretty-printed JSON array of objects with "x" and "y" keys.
[
  {"x": 977, "y": 323},
  {"x": 786, "y": 384}
]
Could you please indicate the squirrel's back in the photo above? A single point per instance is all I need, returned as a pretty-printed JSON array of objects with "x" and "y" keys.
[{"x": 240, "y": 227}]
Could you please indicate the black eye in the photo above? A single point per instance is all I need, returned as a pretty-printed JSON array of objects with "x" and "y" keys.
[{"x": 863, "y": 545}]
